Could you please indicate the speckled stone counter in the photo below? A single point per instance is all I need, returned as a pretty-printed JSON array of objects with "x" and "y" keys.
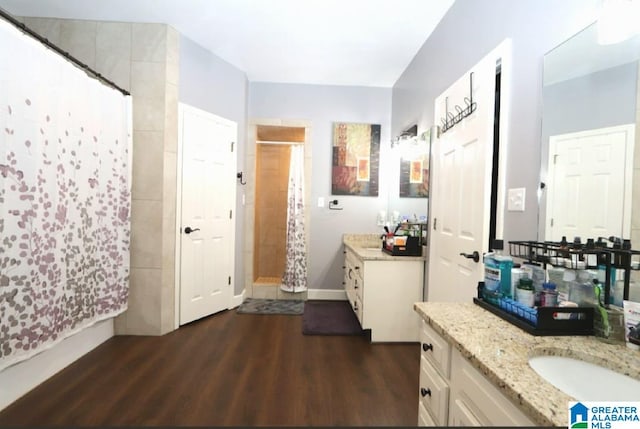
[
  {"x": 368, "y": 247},
  {"x": 501, "y": 351}
]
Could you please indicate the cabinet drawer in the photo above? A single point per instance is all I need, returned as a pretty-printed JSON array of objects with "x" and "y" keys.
[
  {"x": 460, "y": 415},
  {"x": 424, "y": 418},
  {"x": 357, "y": 308},
  {"x": 435, "y": 349},
  {"x": 354, "y": 261},
  {"x": 434, "y": 392},
  {"x": 351, "y": 295},
  {"x": 357, "y": 287},
  {"x": 482, "y": 398}
]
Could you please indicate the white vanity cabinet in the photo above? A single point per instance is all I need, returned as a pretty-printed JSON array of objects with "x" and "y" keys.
[
  {"x": 452, "y": 392},
  {"x": 382, "y": 291}
]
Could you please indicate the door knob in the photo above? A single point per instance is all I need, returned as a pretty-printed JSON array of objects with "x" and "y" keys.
[
  {"x": 475, "y": 256},
  {"x": 424, "y": 392},
  {"x": 189, "y": 230}
]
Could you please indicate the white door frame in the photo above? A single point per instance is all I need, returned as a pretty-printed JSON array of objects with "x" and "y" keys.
[
  {"x": 182, "y": 107},
  {"x": 250, "y": 168}
]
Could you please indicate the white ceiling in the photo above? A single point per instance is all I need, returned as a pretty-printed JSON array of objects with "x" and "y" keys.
[{"x": 337, "y": 42}]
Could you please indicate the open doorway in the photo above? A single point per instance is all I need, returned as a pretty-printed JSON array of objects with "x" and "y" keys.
[{"x": 272, "y": 144}]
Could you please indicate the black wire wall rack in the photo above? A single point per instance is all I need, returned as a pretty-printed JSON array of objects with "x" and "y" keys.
[{"x": 452, "y": 119}]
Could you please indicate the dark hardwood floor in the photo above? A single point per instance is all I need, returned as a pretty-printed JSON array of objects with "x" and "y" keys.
[{"x": 230, "y": 369}]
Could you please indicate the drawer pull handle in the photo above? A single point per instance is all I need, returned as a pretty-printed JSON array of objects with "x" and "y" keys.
[
  {"x": 426, "y": 347},
  {"x": 350, "y": 271},
  {"x": 424, "y": 392}
]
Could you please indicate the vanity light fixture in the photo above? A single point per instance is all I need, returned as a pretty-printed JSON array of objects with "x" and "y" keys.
[
  {"x": 408, "y": 135},
  {"x": 410, "y": 144}
]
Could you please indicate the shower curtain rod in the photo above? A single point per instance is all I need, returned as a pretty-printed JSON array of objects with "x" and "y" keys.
[{"x": 7, "y": 17}]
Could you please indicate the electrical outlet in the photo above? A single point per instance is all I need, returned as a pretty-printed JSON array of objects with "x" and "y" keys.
[{"x": 516, "y": 200}]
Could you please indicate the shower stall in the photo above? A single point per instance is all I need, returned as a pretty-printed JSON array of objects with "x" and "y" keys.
[{"x": 272, "y": 226}]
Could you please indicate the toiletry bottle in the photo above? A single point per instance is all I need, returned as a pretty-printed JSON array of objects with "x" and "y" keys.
[
  {"x": 491, "y": 291},
  {"x": 549, "y": 296},
  {"x": 563, "y": 250},
  {"x": 537, "y": 275},
  {"x": 591, "y": 257},
  {"x": 516, "y": 275},
  {"x": 556, "y": 276},
  {"x": 497, "y": 268},
  {"x": 525, "y": 292}
]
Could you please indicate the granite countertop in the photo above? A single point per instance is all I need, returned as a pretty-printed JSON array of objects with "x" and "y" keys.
[
  {"x": 501, "y": 352},
  {"x": 368, "y": 247}
]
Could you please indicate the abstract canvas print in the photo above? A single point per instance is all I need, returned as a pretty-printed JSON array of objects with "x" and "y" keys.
[
  {"x": 356, "y": 159},
  {"x": 414, "y": 178},
  {"x": 414, "y": 172}
]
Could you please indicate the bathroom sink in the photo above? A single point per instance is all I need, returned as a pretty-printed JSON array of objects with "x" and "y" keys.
[{"x": 585, "y": 381}]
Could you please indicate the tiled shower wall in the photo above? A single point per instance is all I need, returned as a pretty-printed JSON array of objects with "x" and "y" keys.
[{"x": 143, "y": 59}]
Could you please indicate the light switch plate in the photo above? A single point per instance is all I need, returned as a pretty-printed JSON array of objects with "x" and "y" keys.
[
  {"x": 320, "y": 201},
  {"x": 516, "y": 200}
]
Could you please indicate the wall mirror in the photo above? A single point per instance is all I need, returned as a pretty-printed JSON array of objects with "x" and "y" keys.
[
  {"x": 408, "y": 180},
  {"x": 589, "y": 117}
]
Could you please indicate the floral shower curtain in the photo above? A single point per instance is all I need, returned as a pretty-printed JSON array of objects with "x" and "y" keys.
[
  {"x": 295, "y": 273},
  {"x": 64, "y": 198}
]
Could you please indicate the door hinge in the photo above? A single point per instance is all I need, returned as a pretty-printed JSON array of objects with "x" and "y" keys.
[
  {"x": 555, "y": 159},
  {"x": 232, "y": 144},
  {"x": 229, "y": 283},
  {"x": 551, "y": 221},
  {"x": 230, "y": 214},
  {"x": 435, "y": 223}
]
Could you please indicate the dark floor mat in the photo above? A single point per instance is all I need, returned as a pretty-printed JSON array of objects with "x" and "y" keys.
[{"x": 330, "y": 318}]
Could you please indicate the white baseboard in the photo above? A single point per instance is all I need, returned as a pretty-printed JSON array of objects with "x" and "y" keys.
[
  {"x": 327, "y": 294},
  {"x": 237, "y": 299},
  {"x": 20, "y": 378}
]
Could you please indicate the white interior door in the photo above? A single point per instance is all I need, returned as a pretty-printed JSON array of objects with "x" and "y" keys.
[
  {"x": 207, "y": 223},
  {"x": 461, "y": 198},
  {"x": 589, "y": 181}
]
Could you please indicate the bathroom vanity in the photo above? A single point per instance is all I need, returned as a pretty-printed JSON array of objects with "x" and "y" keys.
[
  {"x": 474, "y": 369},
  {"x": 382, "y": 288}
]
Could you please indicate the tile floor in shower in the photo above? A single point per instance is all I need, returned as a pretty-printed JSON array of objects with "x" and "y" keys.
[{"x": 271, "y": 290}]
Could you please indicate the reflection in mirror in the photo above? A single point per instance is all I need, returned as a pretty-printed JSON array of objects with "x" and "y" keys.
[
  {"x": 590, "y": 112},
  {"x": 408, "y": 193}
]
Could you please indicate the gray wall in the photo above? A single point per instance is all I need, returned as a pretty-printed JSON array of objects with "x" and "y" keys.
[
  {"x": 211, "y": 84},
  {"x": 323, "y": 105},
  {"x": 603, "y": 99},
  {"x": 471, "y": 29}
]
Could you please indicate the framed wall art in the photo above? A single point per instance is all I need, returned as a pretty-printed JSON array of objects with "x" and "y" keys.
[{"x": 356, "y": 159}]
